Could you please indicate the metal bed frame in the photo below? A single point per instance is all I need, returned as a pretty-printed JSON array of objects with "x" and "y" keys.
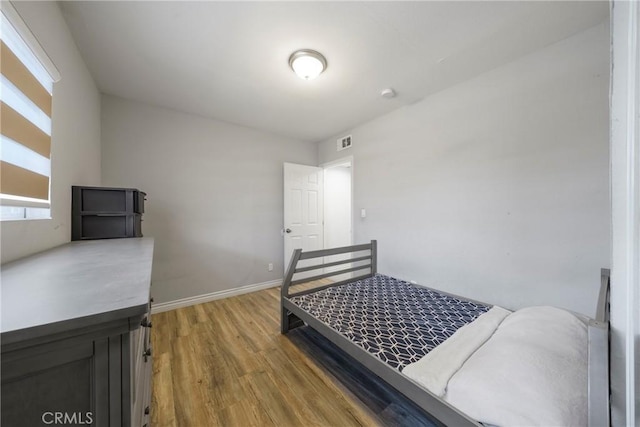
[{"x": 443, "y": 413}]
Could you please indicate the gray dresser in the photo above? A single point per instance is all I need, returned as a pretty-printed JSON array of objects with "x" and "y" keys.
[{"x": 75, "y": 335}]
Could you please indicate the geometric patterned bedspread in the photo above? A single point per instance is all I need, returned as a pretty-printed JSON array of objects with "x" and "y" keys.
[{"x": 392, "y": 319}]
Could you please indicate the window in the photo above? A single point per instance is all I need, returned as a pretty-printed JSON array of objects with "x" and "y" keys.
[{"x": 26, "y": 88}]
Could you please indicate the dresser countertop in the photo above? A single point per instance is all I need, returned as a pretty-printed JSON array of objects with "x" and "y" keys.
[{"x": 75, "y": 285}]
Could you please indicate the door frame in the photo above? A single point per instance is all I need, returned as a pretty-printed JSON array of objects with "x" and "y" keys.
[{"x": 625, "y": 212}]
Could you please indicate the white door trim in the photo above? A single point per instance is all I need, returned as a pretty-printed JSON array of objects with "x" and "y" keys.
[
  {"x": 338, "y": 162},
  {"x": 625, "y": 212}
]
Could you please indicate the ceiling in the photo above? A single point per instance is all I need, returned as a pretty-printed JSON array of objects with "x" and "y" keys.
[{"x": 229, "y": 60}]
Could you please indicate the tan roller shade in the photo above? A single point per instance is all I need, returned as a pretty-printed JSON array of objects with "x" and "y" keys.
[
  {"x": 16, "y": 162},
  {"x": 21, "y": 130},
  {"x": 21, "y": 182},
  {"x": 22, "y": 78}
]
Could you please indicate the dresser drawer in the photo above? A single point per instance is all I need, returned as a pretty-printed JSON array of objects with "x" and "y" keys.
[
  {"x": 146, "y": 400},
  {"x": 140, "y": 367}
]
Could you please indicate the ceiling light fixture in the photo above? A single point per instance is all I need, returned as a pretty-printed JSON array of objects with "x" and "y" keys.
[{"x": 307, "y": 64}]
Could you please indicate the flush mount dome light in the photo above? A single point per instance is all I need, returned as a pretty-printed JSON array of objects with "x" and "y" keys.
[{"x": 307, "y": 64}]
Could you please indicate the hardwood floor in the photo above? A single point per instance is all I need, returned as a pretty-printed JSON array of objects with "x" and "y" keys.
[{"x": 225, "y": 363}]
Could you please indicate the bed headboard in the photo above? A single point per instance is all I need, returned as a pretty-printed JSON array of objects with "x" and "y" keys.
[
  {"x": 599, "y": 344},
  {"x": 361, "y": 262}
]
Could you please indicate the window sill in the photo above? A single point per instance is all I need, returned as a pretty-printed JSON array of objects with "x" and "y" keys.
[{"x": 15, "y": 213}]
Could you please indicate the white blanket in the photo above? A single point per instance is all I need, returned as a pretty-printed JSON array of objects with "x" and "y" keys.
[
  {"x": 434, "y": 370},
  {"x": 532, "y": 371}
]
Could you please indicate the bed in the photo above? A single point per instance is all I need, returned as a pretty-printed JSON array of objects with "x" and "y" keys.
[{"x": 464, "y": 362}]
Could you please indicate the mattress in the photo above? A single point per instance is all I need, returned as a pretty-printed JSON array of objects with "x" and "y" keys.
[{"x": 394, "y": 320}]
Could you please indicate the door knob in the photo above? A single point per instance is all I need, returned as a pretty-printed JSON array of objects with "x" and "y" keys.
[{"x": 288, "y": 230}]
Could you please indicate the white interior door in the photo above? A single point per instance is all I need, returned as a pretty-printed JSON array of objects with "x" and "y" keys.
[{"x": 303, "y": 209}]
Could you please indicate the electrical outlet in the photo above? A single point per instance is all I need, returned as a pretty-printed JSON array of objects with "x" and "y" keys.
[{"x": 270, "y": 267}]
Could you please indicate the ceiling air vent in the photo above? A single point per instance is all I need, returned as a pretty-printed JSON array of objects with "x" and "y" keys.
[{"x": 344, "y": 142}]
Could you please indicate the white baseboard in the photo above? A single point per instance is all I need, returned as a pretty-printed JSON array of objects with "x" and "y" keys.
[{"x": 199, "y": 299}]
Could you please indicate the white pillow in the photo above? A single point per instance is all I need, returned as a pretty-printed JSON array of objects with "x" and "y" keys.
[{"x": 532, "y": 371}]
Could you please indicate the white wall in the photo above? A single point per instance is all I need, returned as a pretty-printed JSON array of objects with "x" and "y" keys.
[
  {"x": 215, "y": 194},
  {"x": 75, "y": 138},
  {"x": 497, "y": 188}
]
